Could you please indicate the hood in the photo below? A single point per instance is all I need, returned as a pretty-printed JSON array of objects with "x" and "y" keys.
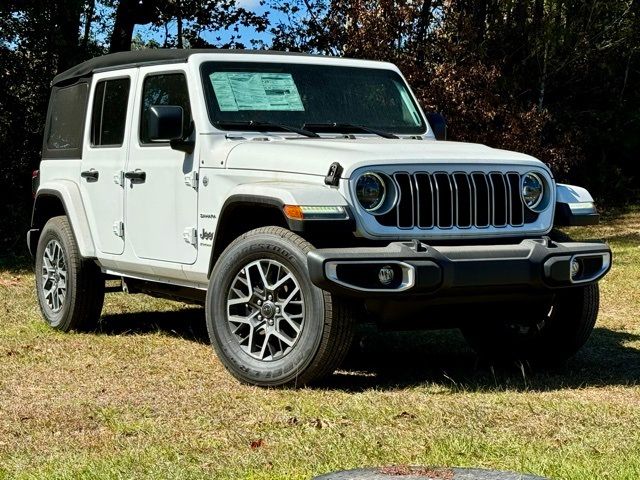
[{"x": 313, "y": 156}]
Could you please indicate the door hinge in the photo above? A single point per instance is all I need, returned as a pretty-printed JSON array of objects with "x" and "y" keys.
[
  {"x": 118, "y": 178},
  {"x": 191, "y": 180},
  {"x": 190, "y": 235},
  {"x": 118, "y": 228}
]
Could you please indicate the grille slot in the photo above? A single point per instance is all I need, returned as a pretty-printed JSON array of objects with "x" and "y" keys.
[{"x": 441, "y": 200}]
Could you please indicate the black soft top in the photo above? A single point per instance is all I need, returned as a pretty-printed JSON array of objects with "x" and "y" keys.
[{"x": 115, "y": 61}]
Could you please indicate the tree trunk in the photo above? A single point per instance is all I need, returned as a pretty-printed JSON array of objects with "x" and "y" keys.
[
  {"x": 129, "y": 14},
  {"x": 180, "y": 43},
  {"x": 88, "y": 20},
  {"x": 66, "y": 18},
  {"x": 424, "y": 20}
]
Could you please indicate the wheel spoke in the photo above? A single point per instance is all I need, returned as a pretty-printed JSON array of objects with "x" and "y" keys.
[
  {"x": 263, "y": 276},
  {"x": 290, "y": 297},
  {"x": 54, "y": 276},
  {"x": 280, "y": 282},
  {"x": 255, "y": 319},
  {"x": 291, "y": 323}
]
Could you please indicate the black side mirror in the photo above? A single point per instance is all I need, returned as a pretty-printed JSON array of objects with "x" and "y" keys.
[
  {"x": 164, "y": 123},
  {"x": 438, "y": 125}
]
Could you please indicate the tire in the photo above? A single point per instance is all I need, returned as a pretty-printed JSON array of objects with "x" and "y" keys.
[
  {"x": 74, "y": 302},
  {"x": 279, "y": 352},
  {"x": 550, "y": 335}
]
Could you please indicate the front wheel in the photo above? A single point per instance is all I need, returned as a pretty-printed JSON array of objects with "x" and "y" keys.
[
  {"x": 547, "y": 334},
  {"x": 268, "y": 323}
]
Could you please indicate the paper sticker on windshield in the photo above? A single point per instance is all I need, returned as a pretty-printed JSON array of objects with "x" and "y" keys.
[{"x": 237, "y": 91}]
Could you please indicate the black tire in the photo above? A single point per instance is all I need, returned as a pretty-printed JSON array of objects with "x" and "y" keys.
[
  {"x": 546, "y": 337},
  {"x": 324, "y": 337},
  {"x": 84, "y": 285}
]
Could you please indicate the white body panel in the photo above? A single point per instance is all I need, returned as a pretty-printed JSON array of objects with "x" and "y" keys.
[
  {"x": 104, "y": 197},
  {"x": 160, "y": 210},
  {"x": 282, "y": 166},
  {"x": 572, "y": 194}
]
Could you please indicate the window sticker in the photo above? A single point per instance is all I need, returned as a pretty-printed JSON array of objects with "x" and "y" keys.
[{"x": 237, "y": 91}]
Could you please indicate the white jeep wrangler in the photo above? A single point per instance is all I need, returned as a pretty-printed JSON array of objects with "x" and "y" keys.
[{"x": 295, "y": 195}]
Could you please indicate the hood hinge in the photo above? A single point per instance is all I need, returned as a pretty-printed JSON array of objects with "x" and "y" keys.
[
  {"x": 118, "y": 228},
  {"x": 191, "y": 180},
  {"x": 190, "y": 235}
]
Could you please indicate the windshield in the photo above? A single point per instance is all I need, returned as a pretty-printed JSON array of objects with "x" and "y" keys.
[{"x": 302, "y": 95}]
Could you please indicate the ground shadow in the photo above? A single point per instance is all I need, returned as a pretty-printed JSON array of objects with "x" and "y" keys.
[
  {"x": 187, "y": 323},
  {"x": 390, "y": 360}
]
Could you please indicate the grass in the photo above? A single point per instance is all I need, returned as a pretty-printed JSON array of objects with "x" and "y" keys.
[{"x": 145, "y": 397}]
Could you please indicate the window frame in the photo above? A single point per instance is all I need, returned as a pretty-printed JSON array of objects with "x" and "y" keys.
[
  {"x": 124, "y": 134},
  {"x": 143, "y": 81},
  {"x": 423, "y": 129}
]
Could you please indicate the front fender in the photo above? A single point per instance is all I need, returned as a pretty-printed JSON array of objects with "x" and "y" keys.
[
  {"x": 68, "y": 193},
  {"x": 574, "y": 206},
  {"x": 291, "y": 193}
]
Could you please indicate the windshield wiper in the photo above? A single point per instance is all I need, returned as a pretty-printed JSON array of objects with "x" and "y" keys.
[
  {"x": 261, "y": 126},
  {"x": 333, "y": 126}
]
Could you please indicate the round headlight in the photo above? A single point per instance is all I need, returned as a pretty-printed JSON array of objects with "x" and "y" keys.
[
  {"x": 532, "y": 190},
  {"x": 371, "y": 191}
]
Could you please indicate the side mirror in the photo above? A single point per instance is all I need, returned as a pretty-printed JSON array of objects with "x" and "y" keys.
[
  {"x": 164, "y": 123},
  {"x": 438, "y": 125}
]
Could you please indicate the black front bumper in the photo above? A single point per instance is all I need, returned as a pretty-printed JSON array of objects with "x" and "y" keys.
[{"x": 419, "y": 269}]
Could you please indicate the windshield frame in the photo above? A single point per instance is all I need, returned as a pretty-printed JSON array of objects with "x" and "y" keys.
[{"x": 211, "y": 108}]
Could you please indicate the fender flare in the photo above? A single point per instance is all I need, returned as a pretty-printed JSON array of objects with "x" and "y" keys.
[
  {"x": 275, "y": 195},
  {"x": 574, "y": 206},
  {"x": 68, "y": 193}
]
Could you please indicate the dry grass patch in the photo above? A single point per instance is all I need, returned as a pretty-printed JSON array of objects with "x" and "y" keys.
[{"x": 145, "y": 397}]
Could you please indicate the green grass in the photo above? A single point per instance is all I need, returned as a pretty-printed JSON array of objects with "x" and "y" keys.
[{"x": 145, "y": 397}]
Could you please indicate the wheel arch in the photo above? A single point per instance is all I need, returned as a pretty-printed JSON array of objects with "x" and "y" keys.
[
  {"x": 61, "y": 198},
  {"x": 255, "y": 211}
]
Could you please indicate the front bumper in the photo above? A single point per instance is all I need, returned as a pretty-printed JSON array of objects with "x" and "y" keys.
[{"x": 417, "y": 268}]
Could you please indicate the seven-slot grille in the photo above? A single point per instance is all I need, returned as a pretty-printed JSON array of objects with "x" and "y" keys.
[{"x": 462, "y": 200}]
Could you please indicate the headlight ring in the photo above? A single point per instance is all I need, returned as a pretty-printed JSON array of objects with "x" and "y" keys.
[
  {"x": 376, "y": 192},
  {"x": 533, "y": 190}
]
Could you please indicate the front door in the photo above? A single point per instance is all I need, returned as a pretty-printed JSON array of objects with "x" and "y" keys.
[
  {"x": 161, "y": 192},
  {"x": 104, "y": 157}
]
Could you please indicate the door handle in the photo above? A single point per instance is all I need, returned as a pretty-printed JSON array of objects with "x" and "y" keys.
[
  {"x": 91, "y": 175},
  {"x": 136, "y": 176}
]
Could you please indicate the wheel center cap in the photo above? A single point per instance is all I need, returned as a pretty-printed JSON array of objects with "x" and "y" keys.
[{"x": 268, "y": 309}]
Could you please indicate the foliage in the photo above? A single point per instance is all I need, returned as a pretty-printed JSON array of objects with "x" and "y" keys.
[
  {"x": 558, "y": 79},
  {"x": 553, "y": 78}
]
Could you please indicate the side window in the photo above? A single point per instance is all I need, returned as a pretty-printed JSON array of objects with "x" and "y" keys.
[
  {"x": 109, "y": 112},
  {"x": 66, "y": 119},
  {"x": 165, "y": 89}
]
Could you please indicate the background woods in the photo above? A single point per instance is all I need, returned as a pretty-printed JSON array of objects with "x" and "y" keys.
[{"x": 558, "y": 79}]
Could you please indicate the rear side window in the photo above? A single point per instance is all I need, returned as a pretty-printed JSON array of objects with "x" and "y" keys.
[
  {"x": 65, "y": 126},
  {"x": 109, "y": 113},
  {"x": 167, "y": 89}
]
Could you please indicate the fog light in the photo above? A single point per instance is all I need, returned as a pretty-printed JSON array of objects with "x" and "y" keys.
[
  {"x": 574, "y": 268},
  {"x": 385, "y": 275}
]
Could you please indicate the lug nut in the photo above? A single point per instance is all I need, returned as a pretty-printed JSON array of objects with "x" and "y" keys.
[
  {"x": 259, "y": 302},
  {"x": 271, "y": 322},
  {"x": 270, "y": 297},
  {"x": 259, "y": 317}
]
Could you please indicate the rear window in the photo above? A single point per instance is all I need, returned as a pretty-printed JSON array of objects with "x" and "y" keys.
[{"x": 65, "y": 122}]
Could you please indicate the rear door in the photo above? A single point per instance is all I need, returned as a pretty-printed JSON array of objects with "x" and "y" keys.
[
  {"x": 105, "y": 155},
  {"x": 162, "y": 207}
]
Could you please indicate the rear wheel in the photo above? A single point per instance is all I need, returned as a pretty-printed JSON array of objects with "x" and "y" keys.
[
  {"x": 70, "y": 289},
  {"x": 269, "y": 325},
  {"x": 546, "y": 334}
]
